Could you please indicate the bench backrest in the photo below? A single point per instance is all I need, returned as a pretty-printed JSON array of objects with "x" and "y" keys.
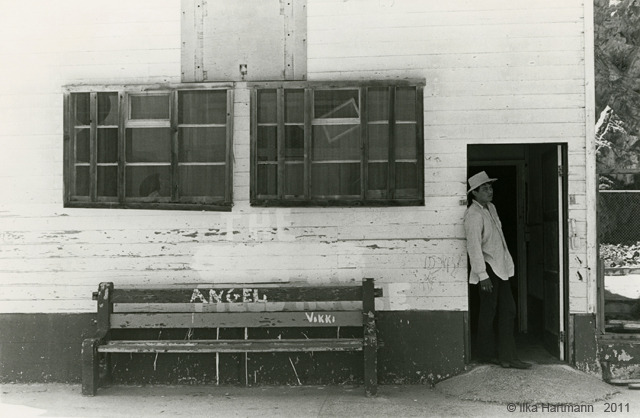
[{"x": 217, "y": 306}]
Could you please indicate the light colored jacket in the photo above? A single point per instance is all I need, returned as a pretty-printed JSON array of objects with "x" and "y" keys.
[{"x": 486, "y": 243}]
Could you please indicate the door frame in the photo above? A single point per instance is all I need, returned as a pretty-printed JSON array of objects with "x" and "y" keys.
[
  {"x": 566, "y": 353},
  {"x": 562, "y": 162}
]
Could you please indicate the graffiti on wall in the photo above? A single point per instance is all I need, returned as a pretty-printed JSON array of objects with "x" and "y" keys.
[{"x": 444, "y": 264}]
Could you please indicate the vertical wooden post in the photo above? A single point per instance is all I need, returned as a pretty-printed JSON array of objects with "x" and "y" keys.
[
  {"x": 173, "y": 121},
  {"x": 280, "y": 147},
  {"x": 192, "y": 58},
  {"x": 600, "y": 318},
  {"x": 123, "y": 112},
  {"x": 370, "y": 347},
  {"x": 228, "y": 188},
  {"x": 244, "y": 373},
  {"x": 68, "y": 147},
  {"x": 93, "y": 147},
  {"x": 253, "y": 136},
  {"x": 90, "y": 366},
  {"x": 90, "y": 357},
  {"x": 391, "y": 174},
  {"x": 364, "y": 144},
  {"x": 420, "y": 140},
  {"x": 308, "y": 135},
  {"x": 105, "y": 307}
]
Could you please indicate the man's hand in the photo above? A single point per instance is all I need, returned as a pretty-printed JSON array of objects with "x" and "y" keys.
[{"x": 486, "y": 285}]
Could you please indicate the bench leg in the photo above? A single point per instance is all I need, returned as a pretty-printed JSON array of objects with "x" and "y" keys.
[
  {"x": 90, "y": 372},
  {"x": 370, "y": 372},
  {"x": 370, "y": 349}
]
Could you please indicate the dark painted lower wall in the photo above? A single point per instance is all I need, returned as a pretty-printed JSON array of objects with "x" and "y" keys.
[
  {"x": 420, "y": 346},
  {"x": 585, "y": 343},
  {"x": 415, "y": 347},
  {"x": 42, "y": 347}
]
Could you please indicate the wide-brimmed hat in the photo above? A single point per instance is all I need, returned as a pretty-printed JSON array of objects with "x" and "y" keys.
[{"x": 478, "y": 180}]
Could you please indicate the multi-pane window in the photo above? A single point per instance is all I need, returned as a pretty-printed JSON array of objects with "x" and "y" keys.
[
  {"x": 149, "y": 148},
  {"x": 337, "y": 144}
]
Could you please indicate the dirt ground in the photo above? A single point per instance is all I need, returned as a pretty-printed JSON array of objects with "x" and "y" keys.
[{"x": 485, "y": 391}]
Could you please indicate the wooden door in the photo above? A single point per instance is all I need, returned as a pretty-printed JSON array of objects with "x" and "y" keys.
[{"x": 552, "y": 256}]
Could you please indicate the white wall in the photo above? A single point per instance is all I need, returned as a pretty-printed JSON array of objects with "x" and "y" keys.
[
  {"x": 497, "y": 71},
  {"x": 44, "y": 265}
]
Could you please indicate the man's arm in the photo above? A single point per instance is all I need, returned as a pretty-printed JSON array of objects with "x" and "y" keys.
[{"x": 473, "y": 231}]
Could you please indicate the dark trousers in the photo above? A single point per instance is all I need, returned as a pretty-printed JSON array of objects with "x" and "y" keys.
[{"x": 499, "y": 301}]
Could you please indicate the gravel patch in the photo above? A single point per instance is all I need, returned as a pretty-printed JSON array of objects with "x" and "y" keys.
[{"x": 551, "y": 384}]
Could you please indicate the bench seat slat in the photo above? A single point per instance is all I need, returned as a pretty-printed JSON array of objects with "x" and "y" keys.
[
  {"x": 238, "y": 319},
  {"x": 236, "y": 307},
  {"x": 232, "y": 346}
]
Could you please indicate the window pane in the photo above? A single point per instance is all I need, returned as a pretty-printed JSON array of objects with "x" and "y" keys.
[
  {"x": 294, "y": 142},
  {"x": 267, "y": 110},
  {"x": 405, "y": 141},
  {"x": 148, "y": 145},
  {"x": 108, "y": 145},
  {"x": 149, "y": 107},
  {"x": 82, "y": 181},
  {"x": 335, "y": 179},
  {"x": 202, "y": 181},
  {"x": 294, "y": 179},
  {"x": 107, "y": 108},
  {"x": 148, "y": 181},
  {"x": 378, "y": 173},
  {"x": 108, "y": 181},
  {"x": 378, "y": 104},
  {"x": 82, "y": 145},
  {"x": 267, "y": 143},
  {"x": 267, "y": 177},
  {"x": 202, "y": 144},
  {"x": 336, "y": 142},
  {"x": 82, "y": 110},
  {"x": 406, "y": 176},
  {"x": 379, "y": 142},
  {"x": 406, "y": 103},
  {"x": 336, "y": 104},
  {"x": 205, "y": 107},
  {"x": 294, "y": 106}
]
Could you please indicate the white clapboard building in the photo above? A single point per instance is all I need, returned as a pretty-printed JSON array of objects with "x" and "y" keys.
[{"x": 167, "y": 142}]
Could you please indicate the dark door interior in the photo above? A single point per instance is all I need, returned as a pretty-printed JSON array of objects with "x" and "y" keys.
[{"x": 538, "y": 228}]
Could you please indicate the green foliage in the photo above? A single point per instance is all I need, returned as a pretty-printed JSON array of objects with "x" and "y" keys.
[
  {"x": 617, "y": 70},
  {"x": 617, "y": 86},
  {"x": 617, "y": 59}
]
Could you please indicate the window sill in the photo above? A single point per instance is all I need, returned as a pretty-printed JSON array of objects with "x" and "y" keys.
[
  {"x": 336, "y": 203},
  {"x": 151, "y": 206}
]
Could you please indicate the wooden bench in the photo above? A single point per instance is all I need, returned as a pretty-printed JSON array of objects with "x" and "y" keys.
[{"x": 215, "y": 306}]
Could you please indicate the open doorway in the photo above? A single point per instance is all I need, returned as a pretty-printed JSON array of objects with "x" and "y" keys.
[{"x": 530, "y": 199}]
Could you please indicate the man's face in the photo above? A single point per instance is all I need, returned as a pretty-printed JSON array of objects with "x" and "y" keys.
[{"x": 483, "y": 194}]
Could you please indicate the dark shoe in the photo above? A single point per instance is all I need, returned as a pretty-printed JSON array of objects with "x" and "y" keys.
[
  {"x": 515, "y": 364},
  {"x": 522, "y": 364}
]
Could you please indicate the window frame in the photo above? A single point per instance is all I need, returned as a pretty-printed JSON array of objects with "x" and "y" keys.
[
  {"x": 365, "y": 197},
  {"x": 125, "y": 122}
]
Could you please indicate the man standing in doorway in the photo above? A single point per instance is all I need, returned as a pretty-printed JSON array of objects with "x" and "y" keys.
[{"x": 491, "y": 268}]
